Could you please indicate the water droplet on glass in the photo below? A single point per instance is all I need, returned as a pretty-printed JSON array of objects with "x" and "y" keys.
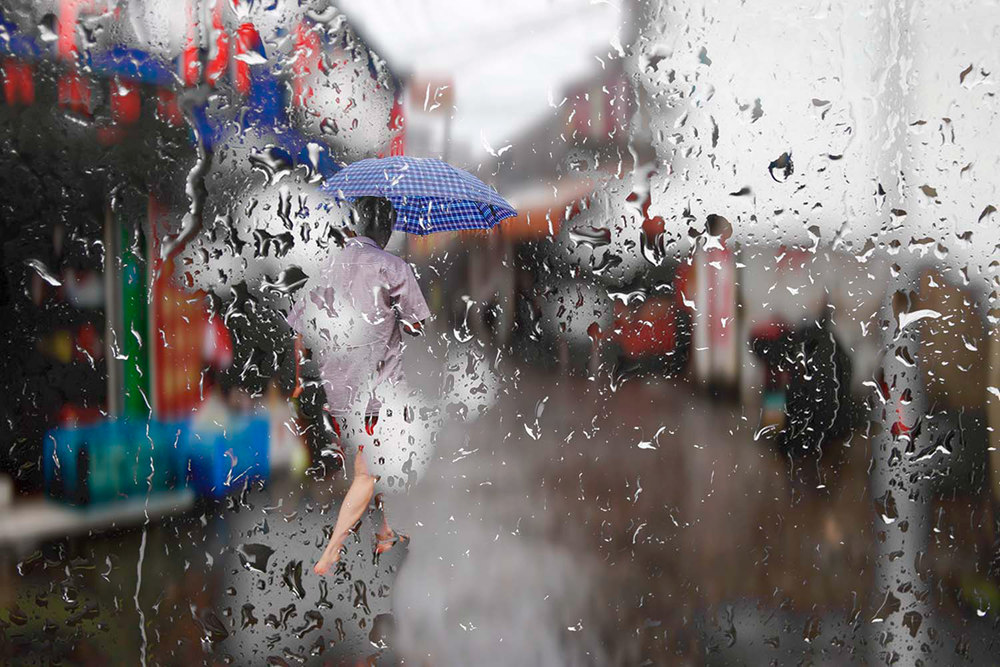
[
  {"x": 44, "y": 272},
  {"x": 48, "y": 28},
  {"x": 782, "y": 168},
  {"x": 594, "y": 237},
  {"x": 255, "y": 556},
  {"x": 274, "y": 162},
  {"x": 886, "y": 506}
]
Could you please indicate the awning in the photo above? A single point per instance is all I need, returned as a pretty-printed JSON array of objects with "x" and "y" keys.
[{"x": 542, "y": 208}]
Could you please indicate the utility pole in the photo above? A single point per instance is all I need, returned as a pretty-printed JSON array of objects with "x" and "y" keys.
[{"x": 901, "y": 620}]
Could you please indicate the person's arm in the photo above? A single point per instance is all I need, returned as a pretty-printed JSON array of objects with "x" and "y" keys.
[{"x": 409, "y": 301}]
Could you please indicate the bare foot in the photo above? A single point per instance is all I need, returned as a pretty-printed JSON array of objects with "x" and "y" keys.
[
  {"x": 326, "y": 563},
  {"x": 386, "y": 541},
  {"x": 385, "y": 544}
]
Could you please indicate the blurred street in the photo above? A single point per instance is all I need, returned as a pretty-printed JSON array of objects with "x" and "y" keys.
[
  {"x": 680, "y": 319},
  {"x": 572, "y": 524}
]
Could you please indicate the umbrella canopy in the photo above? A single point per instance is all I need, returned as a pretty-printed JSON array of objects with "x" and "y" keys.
[{"x": 429, "y": 195}]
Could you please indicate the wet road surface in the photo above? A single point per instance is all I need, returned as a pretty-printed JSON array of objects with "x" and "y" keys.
[{"x": 578, "y": 522}]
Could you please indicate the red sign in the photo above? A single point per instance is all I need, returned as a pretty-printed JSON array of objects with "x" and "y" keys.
[
  {"x": 18, "y": 83},
  {"x": 180, "y": 329}
]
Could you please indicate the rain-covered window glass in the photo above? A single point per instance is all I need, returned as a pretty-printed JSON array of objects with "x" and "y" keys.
[{"x": 647, "y": 332}]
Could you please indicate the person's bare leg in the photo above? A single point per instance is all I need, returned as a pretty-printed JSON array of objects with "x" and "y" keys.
[
  {"x": 351, "y": 510},
  {"x": 385, "y": 536}
]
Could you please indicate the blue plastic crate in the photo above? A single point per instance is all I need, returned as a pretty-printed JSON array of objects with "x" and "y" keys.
[
  {"x": 112, "y": 460},
  {"x": 216, "y": 461},
  {"x": 61, "y": 454}
]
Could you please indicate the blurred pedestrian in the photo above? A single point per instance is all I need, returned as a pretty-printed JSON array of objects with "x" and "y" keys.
[
  {"x": 352, "y": 316},
  {"x": 818, "y": 406}
]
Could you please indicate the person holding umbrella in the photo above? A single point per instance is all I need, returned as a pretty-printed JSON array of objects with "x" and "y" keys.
[{"x": 353, "y": 314}]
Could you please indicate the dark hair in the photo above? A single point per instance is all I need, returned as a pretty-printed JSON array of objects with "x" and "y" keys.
[{"x": 374, "y": 218}]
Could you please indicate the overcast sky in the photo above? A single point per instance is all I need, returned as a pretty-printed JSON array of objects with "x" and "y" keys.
[{"x": 503, "y": 57}]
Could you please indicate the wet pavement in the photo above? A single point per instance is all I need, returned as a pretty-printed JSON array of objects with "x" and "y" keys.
[{"x": 578, "y": 522}]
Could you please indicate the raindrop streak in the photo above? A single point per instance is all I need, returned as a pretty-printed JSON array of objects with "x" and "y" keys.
[
  {"x": 360, "y": 596},
  {"x": 275, "y": 163},
  {"x": 463, "y": 333},
  {"x": 213, "y": 630},
  {"x": 44, "y": 272},
  {"x": 48, "y": 28},
  {"x": 251, "y": 57},
  {"x": 886, "y": 505},
  {"x": 782, "y": 168},
  {"x": 594, "y": 237},
  {"x": 286, "y": 282},
  {"x": 135, "y": 598},
  {"x": 247, "y": 618},
  {"x": 906, "y": 319},
  {"x": 324, "y": 591},
  {"x": 293, "y": 578},
  {"x": 255, "y": 557},
  {"x": 607, "y": 261},
  {"x": 314, "y": 621},
  {"x": 265, "y": 241},
  {"x": 195, "y": 187},
  {"x": 654, "y": 250},
  {"x": 912, "y": 621},
  {"x": 635, "y": 296}
]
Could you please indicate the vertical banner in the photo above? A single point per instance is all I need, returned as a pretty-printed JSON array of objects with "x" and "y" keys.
[
  {"x": 180, "y": 327},
  {"x": 397, "y": 124},
  {"x": 714, "y": 338},
  {"x": 112, "y": 311},
  {"x": 133, "y": 339}
]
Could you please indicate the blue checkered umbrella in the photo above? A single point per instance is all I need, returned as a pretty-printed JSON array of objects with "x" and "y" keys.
[{"x": 429, "y": 195}]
